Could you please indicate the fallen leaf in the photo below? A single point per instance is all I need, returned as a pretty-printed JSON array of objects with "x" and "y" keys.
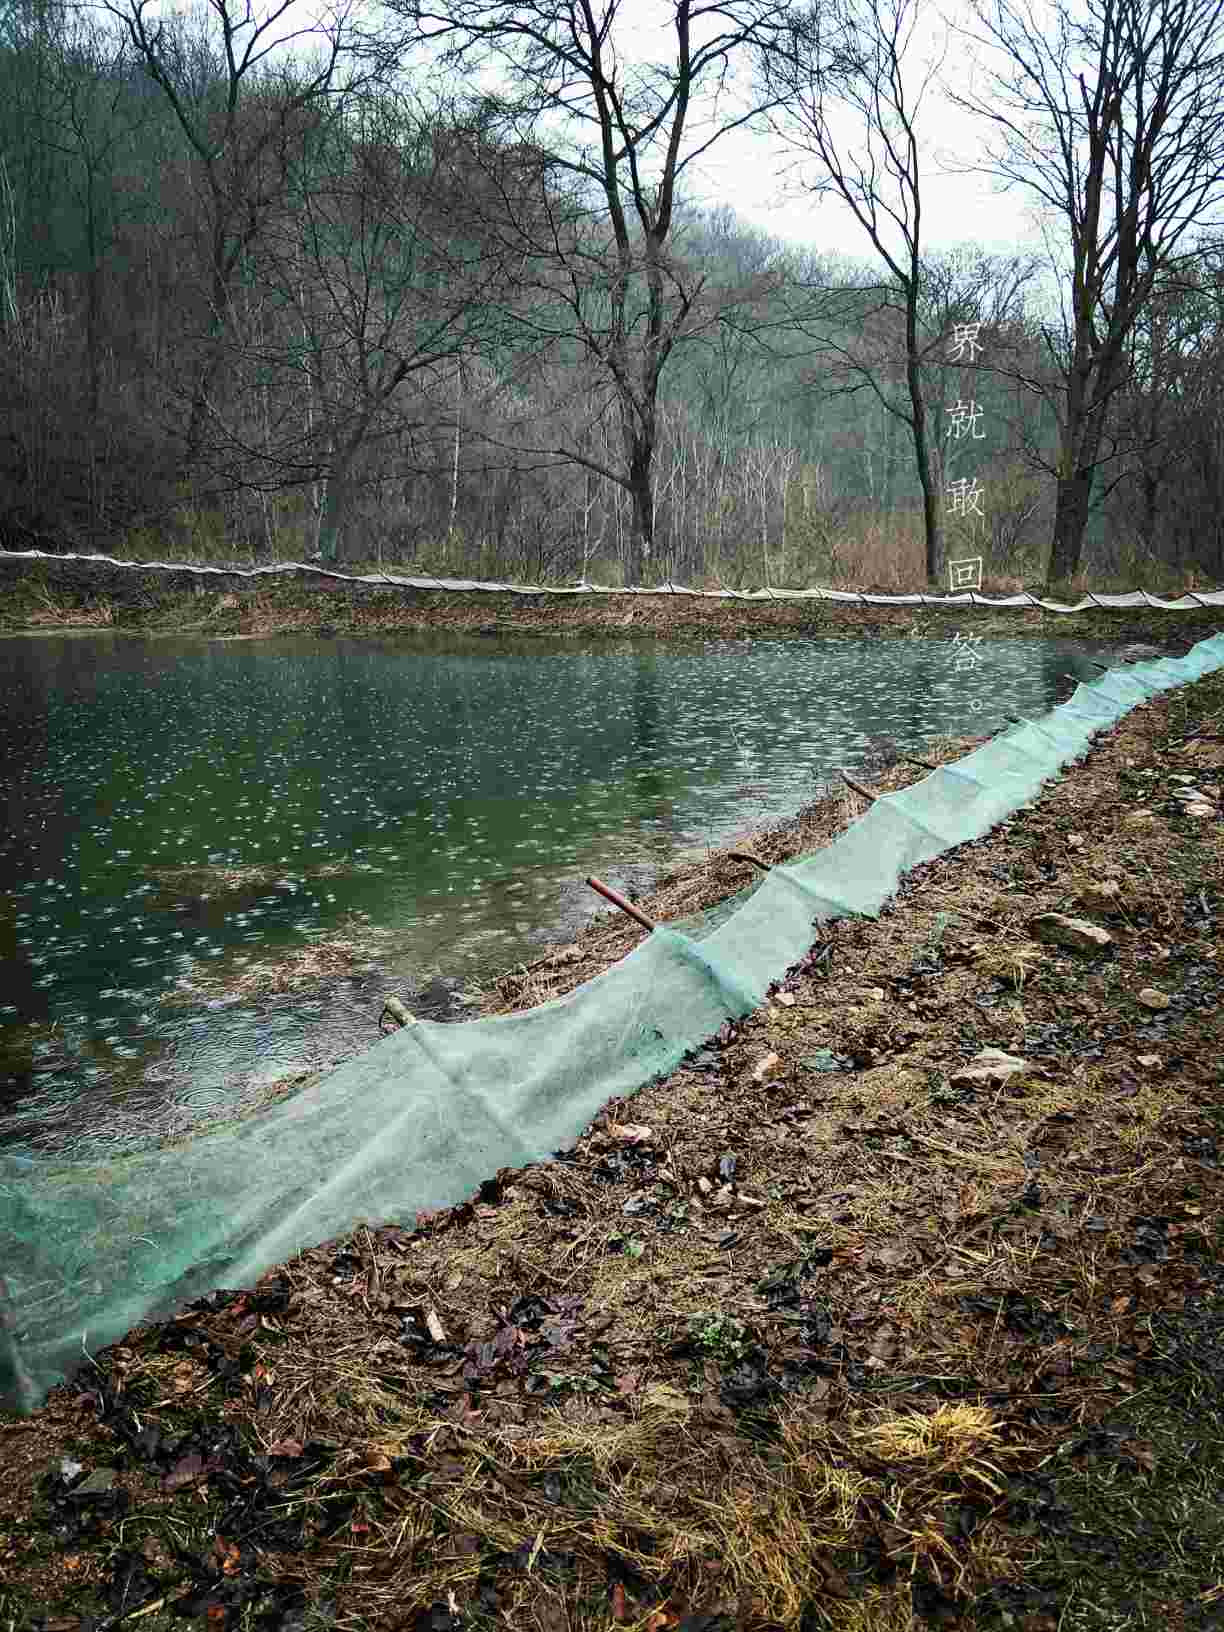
[
  {"x": 1152, "y": 998},
  {"x": 631, "y": 1133},
  {"x": 991, "y": 1066},
  {"x": 770, "y": 1066},
  {"x": 227, "y": 1555},
  {"x": 892, "y": 1257}
]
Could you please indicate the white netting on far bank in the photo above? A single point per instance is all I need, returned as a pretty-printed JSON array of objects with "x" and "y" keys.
[{"x": 1185, "y": 602}]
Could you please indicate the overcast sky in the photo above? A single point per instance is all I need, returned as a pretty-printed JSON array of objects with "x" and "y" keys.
[{"x": 762, "y": 181}]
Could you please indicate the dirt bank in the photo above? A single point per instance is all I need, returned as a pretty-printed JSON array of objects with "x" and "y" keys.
[
  {"x": 61, "y": 596},
  {"x": 841, "y": 1325}
]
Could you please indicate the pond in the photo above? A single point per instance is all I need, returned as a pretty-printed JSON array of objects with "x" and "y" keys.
[{"x": 410, "y": 814}]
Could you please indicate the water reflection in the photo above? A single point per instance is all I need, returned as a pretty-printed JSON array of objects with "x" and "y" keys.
[{"x": 173, "y": 810}]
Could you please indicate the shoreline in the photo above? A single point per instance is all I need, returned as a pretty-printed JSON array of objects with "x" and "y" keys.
[{"x": 52, "y": 596}]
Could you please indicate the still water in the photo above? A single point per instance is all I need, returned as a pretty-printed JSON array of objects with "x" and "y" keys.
[{"x": 179, "y": 811}]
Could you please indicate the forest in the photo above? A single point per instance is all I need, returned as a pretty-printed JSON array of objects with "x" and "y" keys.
[{"x": 432, "y": 290}]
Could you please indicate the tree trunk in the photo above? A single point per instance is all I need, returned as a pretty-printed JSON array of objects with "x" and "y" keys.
[
  {"x": 922, "y": 452},
  {"x": 1070, "y": 522},
  {"x": 641, "y": 492},
  {"x": 337, "y": 502},
  {"x": 1088, "y": 393}
]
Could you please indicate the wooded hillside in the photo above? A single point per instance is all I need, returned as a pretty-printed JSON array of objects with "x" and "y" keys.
[{"x": 266, "y": 293}]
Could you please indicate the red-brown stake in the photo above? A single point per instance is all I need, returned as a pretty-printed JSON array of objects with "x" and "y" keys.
[{"x": 610, "y": 894}]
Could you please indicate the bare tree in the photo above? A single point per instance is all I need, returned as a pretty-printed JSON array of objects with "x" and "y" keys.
[
  {"x": 851, "y": 54},
  {"x": 1171, "y": 392},
  {"x": 619, "y": 135},
  {"x": 383, "y": 290},
  {"x": 244, "y": 117},
  {"x": 1113, "y": 118}
]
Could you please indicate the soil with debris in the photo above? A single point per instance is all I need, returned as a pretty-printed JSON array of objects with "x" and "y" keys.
[{"x": 899, "y": 1304}]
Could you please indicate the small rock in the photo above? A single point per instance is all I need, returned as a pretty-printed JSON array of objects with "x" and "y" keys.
[
  {"x": 1151, "y": 1062},
  {"x": 1200, "y": 808},
  {"x": 1075, "y": 841},
  {"x": 1152, "y": 998},
  {"x": 1059, "y": 930},
  {"x": 992, "y": 1067}
]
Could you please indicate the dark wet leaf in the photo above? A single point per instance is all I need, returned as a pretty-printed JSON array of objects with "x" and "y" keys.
[
  {"x": 130, "y": 1584},
  {"x": 437, "y": 1618},
  {"x": 932, "y": 1604},
  {"x": 749, "y": 1383}
]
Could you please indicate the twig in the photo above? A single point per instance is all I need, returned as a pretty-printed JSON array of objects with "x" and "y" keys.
[
  {"x": 926, "y": 764},
  {"x": 743, "y": 855}
]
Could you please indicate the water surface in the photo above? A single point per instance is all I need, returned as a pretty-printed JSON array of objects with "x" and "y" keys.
[{"x": 437, "y": 801}]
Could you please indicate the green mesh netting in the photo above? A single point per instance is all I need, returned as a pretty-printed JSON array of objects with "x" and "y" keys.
[{"x": 421, "y": 1120}]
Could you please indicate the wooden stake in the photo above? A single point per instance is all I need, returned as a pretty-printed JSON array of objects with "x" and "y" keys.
[
  {"x": 619, "y": 901},
  {"x": 398, "y": 1013},
  {"x": 743, "y": 855},
  {"x": 858, "y": 787}
]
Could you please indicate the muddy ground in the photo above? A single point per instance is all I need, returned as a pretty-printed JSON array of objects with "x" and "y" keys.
[{"x": 841, "y": 1325}]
